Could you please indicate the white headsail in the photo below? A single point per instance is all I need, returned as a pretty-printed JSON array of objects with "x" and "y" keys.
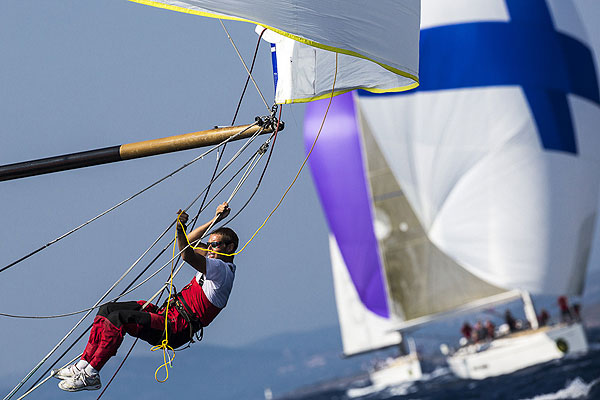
[{"x": 377, "y": 42}]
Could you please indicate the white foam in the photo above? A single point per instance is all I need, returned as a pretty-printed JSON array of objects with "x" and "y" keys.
[
  {"x": 575, "y": 389},
  {"x": 361, "y": 392},
  {"x": 439, "y": 371},
  {"x": 384, "y": 392}
]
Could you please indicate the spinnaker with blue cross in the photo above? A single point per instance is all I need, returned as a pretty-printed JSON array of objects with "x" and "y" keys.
[{"x": 479, "y": 187}]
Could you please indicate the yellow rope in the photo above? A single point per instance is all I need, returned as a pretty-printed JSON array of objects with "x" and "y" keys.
[
  {"x": 291, "y": 184},
  {"x": 165, "y": 343}
]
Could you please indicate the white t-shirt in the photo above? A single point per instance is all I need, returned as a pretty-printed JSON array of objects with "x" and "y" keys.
[{"x": 218, "y": 281}]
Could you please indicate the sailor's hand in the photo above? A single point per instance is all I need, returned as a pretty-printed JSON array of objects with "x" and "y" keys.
[
  {"x": 182, "y": 218},
  {"x": 223, "y": 211}
]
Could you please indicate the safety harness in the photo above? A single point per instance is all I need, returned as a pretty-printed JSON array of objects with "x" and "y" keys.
[
  {"x": 193, "y": 321},
  {"x": 194, "y": 324}
]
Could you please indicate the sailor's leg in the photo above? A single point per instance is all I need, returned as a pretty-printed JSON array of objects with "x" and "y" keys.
[
  {"x": 99, "y": 325},
  {"x": 107, "y": 331}
]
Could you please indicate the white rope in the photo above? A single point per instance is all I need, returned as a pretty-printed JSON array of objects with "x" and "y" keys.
[
  {"x": 48, "y": 378},
  {"x": 245, "y": 66}
]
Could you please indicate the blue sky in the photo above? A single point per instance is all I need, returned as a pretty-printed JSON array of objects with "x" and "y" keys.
[{"x": 83, "y": 75}]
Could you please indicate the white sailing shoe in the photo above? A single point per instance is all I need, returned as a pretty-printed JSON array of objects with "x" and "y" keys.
[
  {"x": 70, "y": 371},
  {"x": 81, "y": 381}
]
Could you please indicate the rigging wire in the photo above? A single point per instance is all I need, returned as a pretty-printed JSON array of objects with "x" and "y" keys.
[
  {"x": 249, "y": 75},
  {"x": 245, "y": 66},
  {"x": 201, "y": 156},
  {"x": 118, "y": 369},
  {"x": 261, "y": 175}
]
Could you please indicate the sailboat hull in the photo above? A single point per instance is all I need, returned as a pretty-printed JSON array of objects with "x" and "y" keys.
[
  {"x": 402, "y": 369},
  {"x": 518, "y": 351}
]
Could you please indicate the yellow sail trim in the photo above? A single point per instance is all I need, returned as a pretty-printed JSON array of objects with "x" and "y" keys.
[
  {"x": 342, "y": 91},
  {"x": 291, "y": 36}
]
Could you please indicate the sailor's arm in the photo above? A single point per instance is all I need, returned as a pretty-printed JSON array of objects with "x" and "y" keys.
[
  {"x": 221, "y": 213},
  {"x": 195, "y": 257},
  {"x": 189, "y": 255}
]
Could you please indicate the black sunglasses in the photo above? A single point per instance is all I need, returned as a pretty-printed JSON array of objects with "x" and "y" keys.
[{"x": 215, "y": 244}]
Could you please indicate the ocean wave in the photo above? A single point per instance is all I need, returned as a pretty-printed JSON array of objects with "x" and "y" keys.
[
  {"x": 575, "y": 389},
  {"x": 436, "y": 373},
  {"x": 401, "y": 389}
]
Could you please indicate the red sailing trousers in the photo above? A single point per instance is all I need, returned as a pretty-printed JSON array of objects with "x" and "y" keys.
[{"x": 117, "y": 318}]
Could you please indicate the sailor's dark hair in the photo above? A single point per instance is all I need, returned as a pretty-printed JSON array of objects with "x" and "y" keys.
[{"x": 228, "y": 235}]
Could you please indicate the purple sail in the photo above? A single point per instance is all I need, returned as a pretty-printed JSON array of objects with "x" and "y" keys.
[{"x": 338, "y": 172}]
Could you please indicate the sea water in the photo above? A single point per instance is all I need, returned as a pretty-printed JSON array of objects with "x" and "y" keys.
[{"x": 572, "y": 377}]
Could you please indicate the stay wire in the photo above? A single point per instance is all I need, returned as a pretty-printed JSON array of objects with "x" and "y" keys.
[
  {"x": 249, "y": 75},
  {"x": 123, "y": 201},
  {"x": 262, "y": 174},
  {"x": 245, "y": 66}
]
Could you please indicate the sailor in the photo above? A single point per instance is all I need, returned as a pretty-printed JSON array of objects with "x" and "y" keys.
[
  {"x": 193, "y": 308},
  {"x": 565, "y": 313},
  {"x": 466, "y": 331},
  {"x": 490, "y": 329},
  {"x": 510, "y": 321},
  {"x": 544, "y": 317}
]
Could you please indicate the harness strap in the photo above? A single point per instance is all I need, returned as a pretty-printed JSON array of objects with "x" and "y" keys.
[
  {"x": 191, "y": 318},
  {"x": 179, "y": 303}
]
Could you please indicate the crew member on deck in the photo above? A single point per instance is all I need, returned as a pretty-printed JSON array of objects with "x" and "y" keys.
[
  {"x": 565, "y": 313},
  {"x": 490, "y": 329},
  {"x": 193, "y": 308},
  {"x": 510, "y": 321},
  {"x": 466, "y": 331},
  {"x": 544, "y": 317}
]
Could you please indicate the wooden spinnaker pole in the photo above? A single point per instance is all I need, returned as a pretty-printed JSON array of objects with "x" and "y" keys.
[{"x": 129, "y": 151}]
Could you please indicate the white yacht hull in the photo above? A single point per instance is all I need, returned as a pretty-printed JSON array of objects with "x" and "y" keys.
[
  {"x": 402, "y": 369},
  {"x": 517, "y": 351}
]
